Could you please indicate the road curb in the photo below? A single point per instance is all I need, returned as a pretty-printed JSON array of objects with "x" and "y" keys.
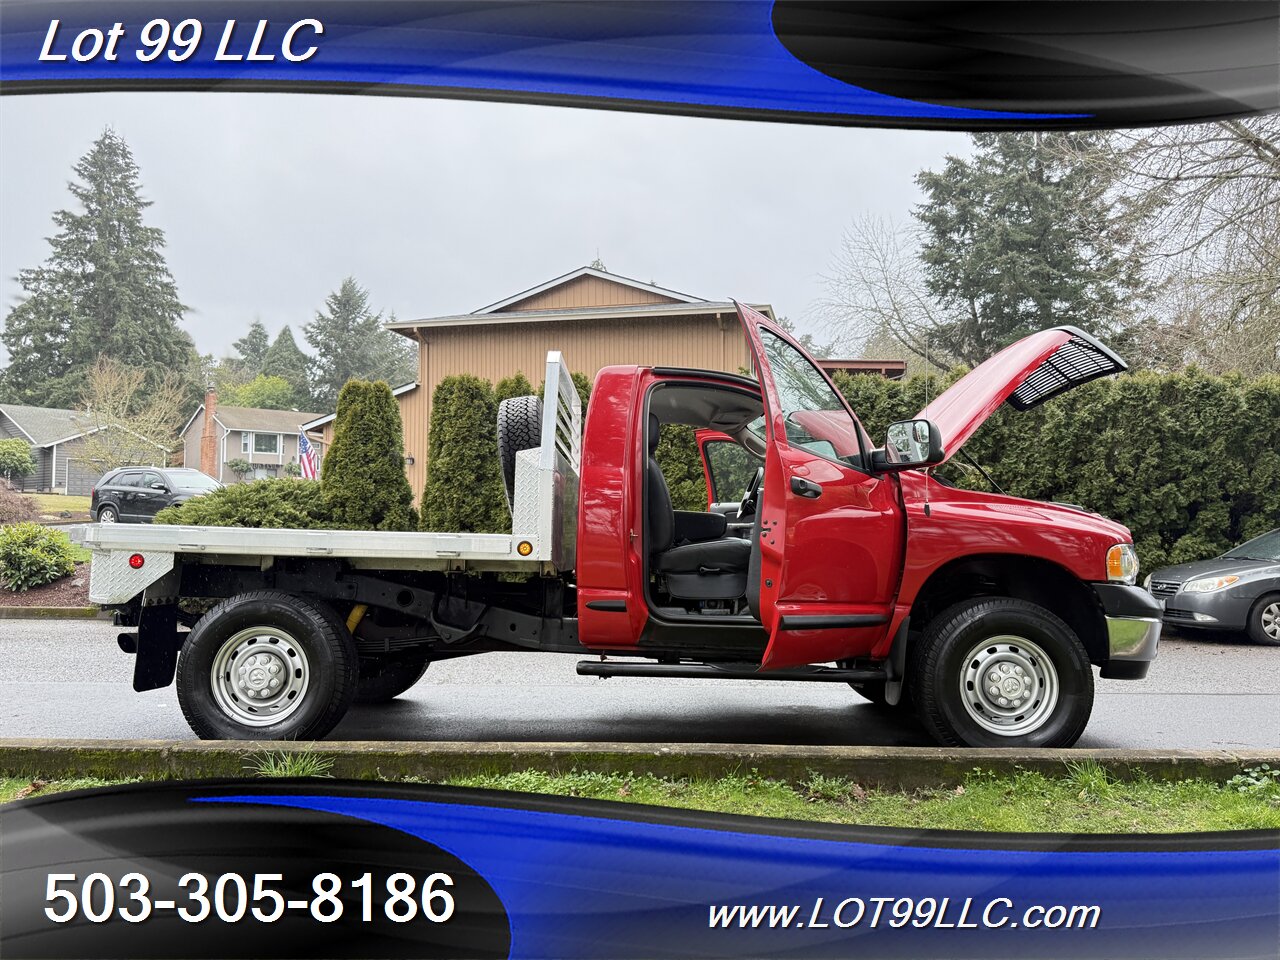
[
  {"x": 899, "y": 768},
  {"x": 53, "y": 613}
]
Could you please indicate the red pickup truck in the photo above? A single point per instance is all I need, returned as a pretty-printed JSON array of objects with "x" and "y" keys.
[{"x": 842, "y": 560}]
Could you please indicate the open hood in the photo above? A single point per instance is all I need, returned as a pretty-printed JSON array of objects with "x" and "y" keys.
[{"x": 1024, "y": 375}]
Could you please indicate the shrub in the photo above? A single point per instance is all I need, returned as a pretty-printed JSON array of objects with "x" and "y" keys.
[
  {"x": 463, "y": 490},
  {"x": 15, "y": 459},
  {"x": 32, "y": 555},
  {"x": 240, "y": 467},
  {"x": 1189, "y": 462},
  {"x": 363, "y": 479},
  {"x": 15, "y": 507},
  {"x": 278, "y": 504},
  {"x": 517, "y": 385}
]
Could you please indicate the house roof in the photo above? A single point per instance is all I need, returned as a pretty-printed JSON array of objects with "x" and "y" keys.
[
  {"x": 696, "y": 308},
  {"x": 256, "y": 419},
  {"x": 44, "y": 426},
  {"x": 587, "y": 272},
  {"x": 321, "y": 421}
]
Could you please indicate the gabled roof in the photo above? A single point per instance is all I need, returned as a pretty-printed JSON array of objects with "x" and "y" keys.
[
  {"x": 321, "y": 421},
  {"x": 699, "y": 308},
  {"x": 255, "y": 419},
  {"x": 573, "y": 275},
  {"x": 47, "y": 425}
]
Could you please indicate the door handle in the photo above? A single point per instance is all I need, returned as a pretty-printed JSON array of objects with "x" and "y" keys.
[{"x": 805, "y": 488}]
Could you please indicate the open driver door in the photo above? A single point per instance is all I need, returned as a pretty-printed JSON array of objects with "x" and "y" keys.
[{"x": 828, "y": 535}]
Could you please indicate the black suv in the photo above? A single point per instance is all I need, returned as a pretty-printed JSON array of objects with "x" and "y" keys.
[{"x": 137, "y": 494}]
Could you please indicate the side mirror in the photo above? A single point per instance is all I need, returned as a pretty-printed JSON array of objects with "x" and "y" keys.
[
  {"x": 911, "y": 444},
  {"x": 159, "y": 486}
]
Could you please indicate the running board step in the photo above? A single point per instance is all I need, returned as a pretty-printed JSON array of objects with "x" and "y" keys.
[{"x": 702, "y": 671}]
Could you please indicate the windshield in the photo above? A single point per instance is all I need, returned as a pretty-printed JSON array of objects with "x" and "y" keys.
[
  {"x": 816, "y": 419},
  {"x": 1265, "y": 547},
  {"x": 194, "y": 481}
]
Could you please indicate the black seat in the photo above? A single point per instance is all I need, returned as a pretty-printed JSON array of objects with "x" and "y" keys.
[{"x": 690, "y": 550}]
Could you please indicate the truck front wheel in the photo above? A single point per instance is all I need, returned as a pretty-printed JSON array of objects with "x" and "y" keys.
[
  {"x": 267, "y": 665},
  {"x": 999, "y": 672}
]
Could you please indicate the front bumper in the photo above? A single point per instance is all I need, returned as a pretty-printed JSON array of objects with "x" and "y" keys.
[
  {"x": 1220, "y": 610},
  {"x": 1133, "y": 630}
]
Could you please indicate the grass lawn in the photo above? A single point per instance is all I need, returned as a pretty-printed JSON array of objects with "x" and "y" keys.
[
  {"x": 53, "y": 505},
  {"x": 1084, "y": 800}
]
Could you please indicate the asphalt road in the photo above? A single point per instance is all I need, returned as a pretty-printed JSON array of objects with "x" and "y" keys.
[{"x": 68, "y": 679}]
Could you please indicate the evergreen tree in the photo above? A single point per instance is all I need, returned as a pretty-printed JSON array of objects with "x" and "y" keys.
[
  {"x": 104, "y": 289},
  {"x": 349, "y": 342},
  {"x": 464, "y": 480},
  {"x": 517, "y": 385},
  {"x": 1020, "y": 238},
  {"x": 252, "y": 348},
  {"x": 362, "y": 478},
  {"x": 284, "y": 359}
]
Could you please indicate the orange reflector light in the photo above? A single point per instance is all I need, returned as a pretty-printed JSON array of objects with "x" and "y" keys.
[
  {"x": 524, "y": 548},
  {"x": 137, "y": 560}
]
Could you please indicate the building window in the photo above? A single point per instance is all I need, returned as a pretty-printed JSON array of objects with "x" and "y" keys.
[
  {"x": 244, "y": 442},
  {"x": 266, "y": 443}
]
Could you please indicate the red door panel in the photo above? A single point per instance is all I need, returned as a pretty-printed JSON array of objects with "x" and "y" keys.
[{"x": 831, "y": 536}]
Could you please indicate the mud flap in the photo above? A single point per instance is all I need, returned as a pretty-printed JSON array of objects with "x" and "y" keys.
[
  {"x": 157, "y": 643},
  {"x": 896, "y": 667}
]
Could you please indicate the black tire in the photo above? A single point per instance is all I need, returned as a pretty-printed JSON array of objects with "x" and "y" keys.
[
  {"x": 316, "y": 638},
  {"x": 519, "y": 428},
  {"x": 112, "y": 514},
  {"x": 386, "y": 677},
  {"x": 1264, "y": 616},
  {"x": 946, "y": 654}
]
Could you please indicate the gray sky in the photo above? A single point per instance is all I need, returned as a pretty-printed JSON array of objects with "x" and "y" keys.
[{"x": 438, "y": 207}]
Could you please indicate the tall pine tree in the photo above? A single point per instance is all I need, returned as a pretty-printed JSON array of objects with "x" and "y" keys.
[
  {"x": 286, "y": 360},
  {"x": 1019, "y": 238},
  {"x": 350, "y": 342},
  {"x": 252, "y": 348},
  {"x": 104, "y": 289}
]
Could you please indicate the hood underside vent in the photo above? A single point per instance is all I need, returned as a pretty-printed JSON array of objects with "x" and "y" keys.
[{"x": 1079, "y": 360}]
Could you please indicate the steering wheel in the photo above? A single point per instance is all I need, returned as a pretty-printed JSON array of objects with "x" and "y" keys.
[{"x": 747, "y": 505}]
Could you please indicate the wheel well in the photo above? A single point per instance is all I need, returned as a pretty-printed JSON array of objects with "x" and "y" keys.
[{"x": 1025, "y": 578}]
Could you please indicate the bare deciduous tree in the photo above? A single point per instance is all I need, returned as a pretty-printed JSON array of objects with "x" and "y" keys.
[
  {"x": 131, "y": 423},
  {"x": 877, "y": 294},
  {"x": 1208, "y": 197}
]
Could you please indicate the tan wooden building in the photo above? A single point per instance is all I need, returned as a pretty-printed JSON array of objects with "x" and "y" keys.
[{"x": 593, "y": 317}]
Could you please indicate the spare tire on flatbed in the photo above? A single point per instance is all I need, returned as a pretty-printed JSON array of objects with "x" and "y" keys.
[{"x": 519, "y": 428}]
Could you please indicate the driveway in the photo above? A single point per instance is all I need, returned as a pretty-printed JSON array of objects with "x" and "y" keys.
[{"x": 68, "y": 679}]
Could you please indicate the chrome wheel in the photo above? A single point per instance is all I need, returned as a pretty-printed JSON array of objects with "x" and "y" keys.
[
  {"x": 106, "y": 515},
  {"x": 1269, "y": 619},
  {"x": 1009, "y": 686},
  {"x": 259, "y": 676}
]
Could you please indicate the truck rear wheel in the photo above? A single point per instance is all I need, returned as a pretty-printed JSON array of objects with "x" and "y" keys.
[
  {"x": 267, "y": 665},
  {"x": 386, "y": 677},
  {"x": 999, "y": 672}
]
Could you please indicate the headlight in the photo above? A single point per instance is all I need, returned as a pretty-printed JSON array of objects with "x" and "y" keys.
[
  {"x": 1122, "y": 563},
  {"x": 1208, "y": 584}
]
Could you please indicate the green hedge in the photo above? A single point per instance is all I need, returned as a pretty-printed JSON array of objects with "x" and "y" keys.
[
  {"x": 32, "y": 555},
  {"x": 279, "y": 504},
  {"x": 363, "y": 479},
  {"x": 1189, "y": 462}
]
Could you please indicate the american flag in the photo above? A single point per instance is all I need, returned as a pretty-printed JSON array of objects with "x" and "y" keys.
[{"x": 307, "y": 458}]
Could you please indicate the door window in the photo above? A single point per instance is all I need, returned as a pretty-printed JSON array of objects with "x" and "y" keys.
[
  {"x": 131, "y": 479},
  {"x": 149, "y": 478},
  {"x": 815, "y": 417},
  {"x": 731, "y": 469}
]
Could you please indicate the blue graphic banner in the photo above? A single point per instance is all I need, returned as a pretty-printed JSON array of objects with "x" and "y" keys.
[
  {"x": 379, "y": 870},
  {"x": 972, "y": 65}
]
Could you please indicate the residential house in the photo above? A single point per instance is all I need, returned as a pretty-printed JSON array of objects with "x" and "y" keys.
[
  {"x": 594, "y": 317},
  {"x": 216, "y": 435},
  {"x": 58, "y": 446}
]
